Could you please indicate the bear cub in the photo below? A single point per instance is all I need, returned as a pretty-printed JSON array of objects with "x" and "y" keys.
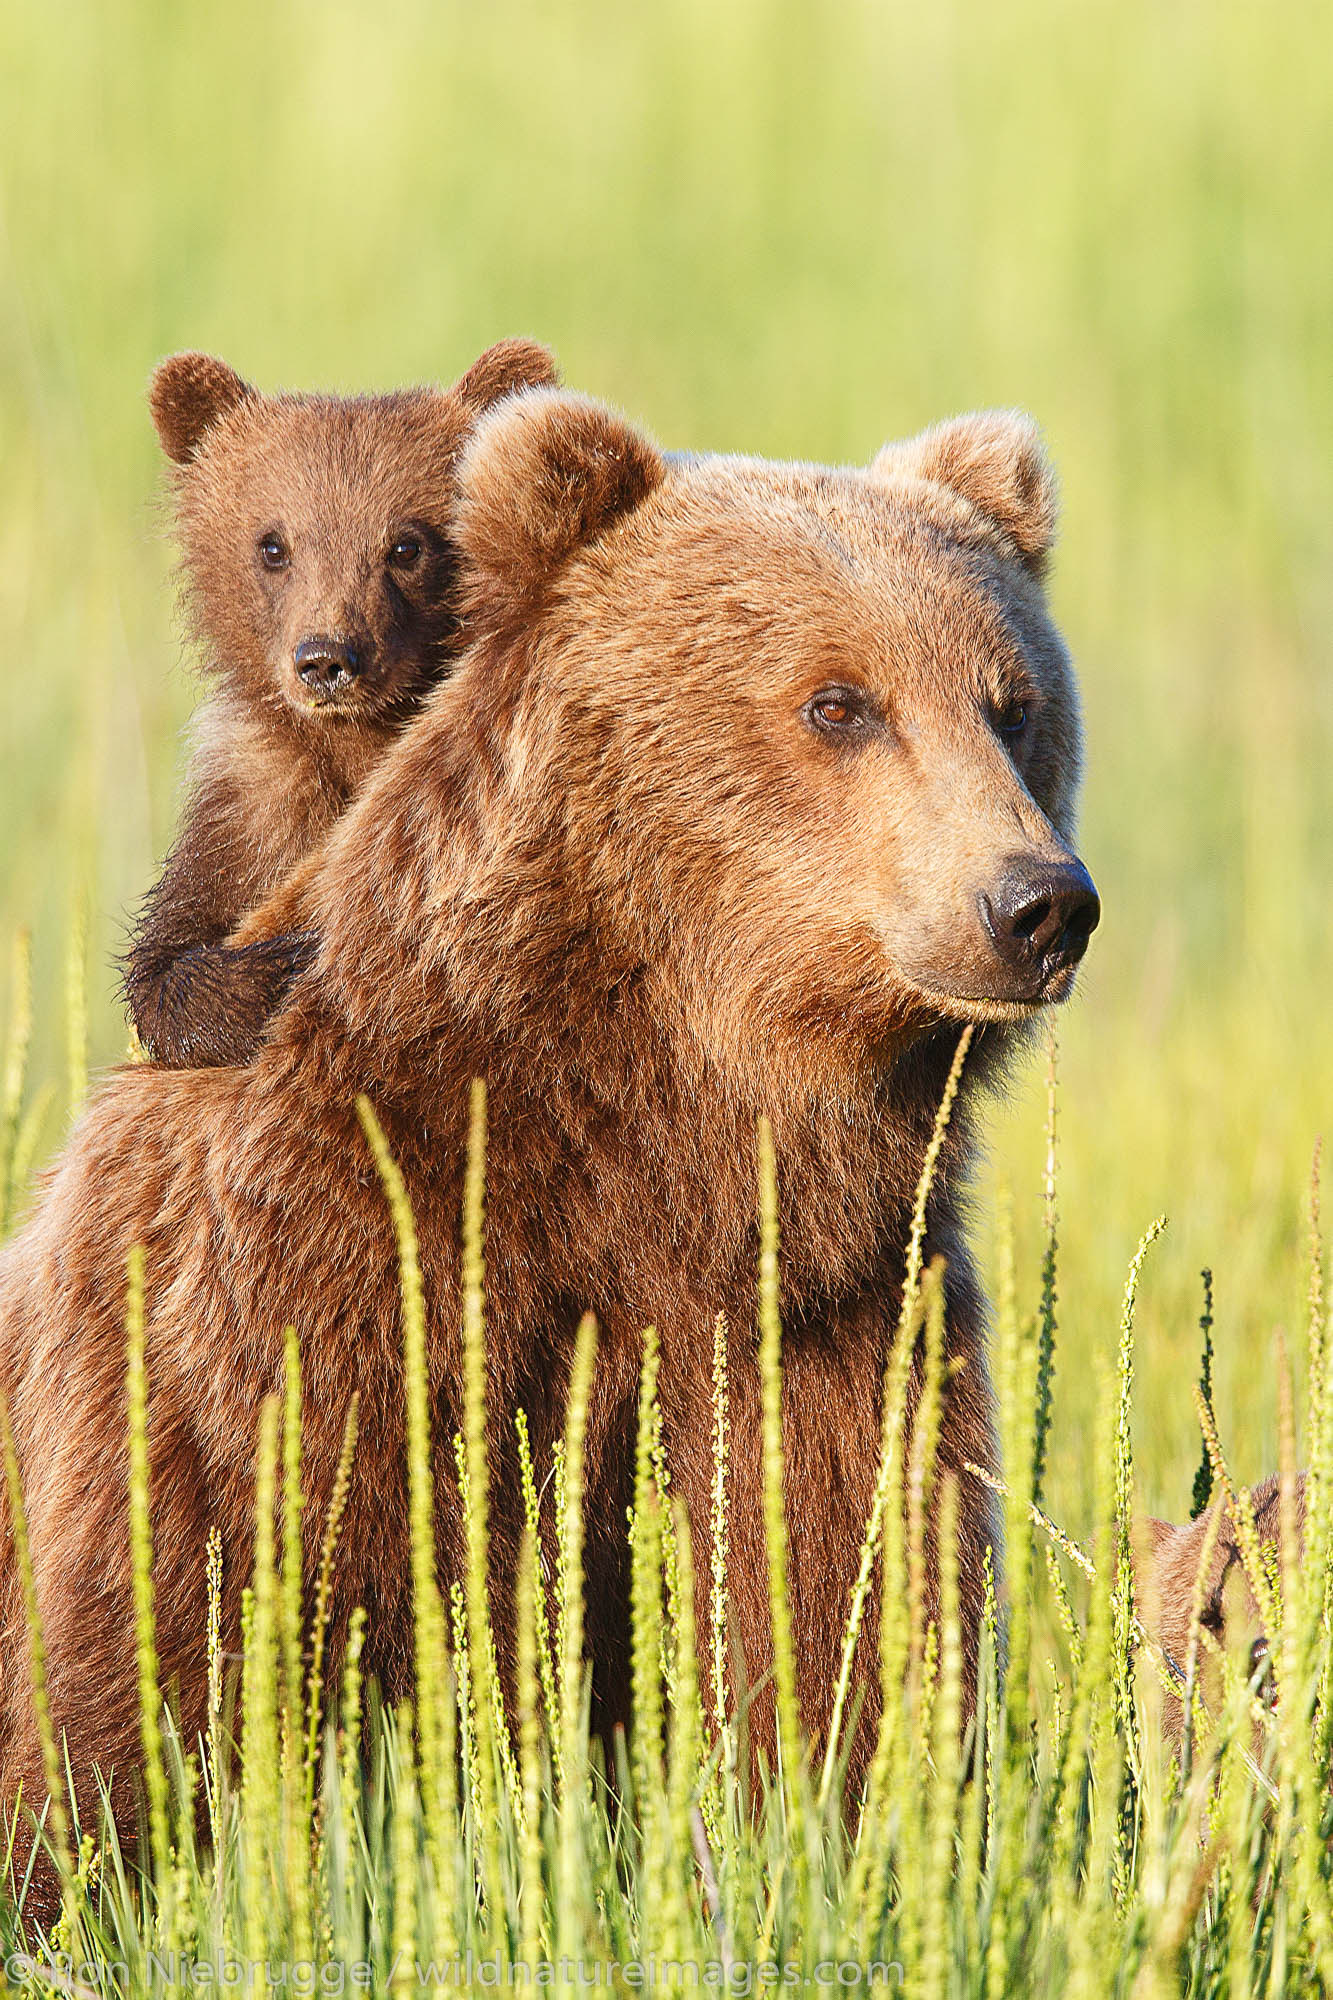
[
  {"x": 319, "y": 577},
  {"x": 1230, "y": 1615}
]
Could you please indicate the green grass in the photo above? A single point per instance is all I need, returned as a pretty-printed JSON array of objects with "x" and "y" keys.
[
  {"x": 1052, "y": 1845},
  {"x": 793, "y": 228}
]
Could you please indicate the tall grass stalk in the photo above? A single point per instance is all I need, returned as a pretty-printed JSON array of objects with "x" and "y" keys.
[
  {"x": 944, "y": 1771},
  {"x": 141, "y": 1571},
  {"x": 532, "y": 1893},
  {"x": 323, "y": 1590},
  {"x": 921, "y": 1476},
  {"x": 1319, "y": 1564},
  {"x": 291, "y": 1721},
  {"x": 573, "y": 1746},
  {"x": 685, "y": 1747},
  {"x": 1047, "y": 1318},
  {"x": 1316, "y": 1305},
  {"x": 405, "y": 1914},
  {"x": 1240, "y": 1508},
  {"x": 719, "y": 1543},
  {"x": 719, "y": 1801},
  {"x": 1123, "y": 1569},
  {"x": 261, "y": 1756},
  {"x": 489, "y": 1724},
  {"x": 546, "y": 1667},
  {"x": 1203, "y": 1478},
  {"x": 646, "y": 1629},
  {"x": 1319, "y": 1477},
  {"x": 789, "y": 1742},
  {"x": 214, "y": 1769},
  {"x": 894, "y": 1394},
  {"x": 292, "y": 1510},
  {"x": 1300, "y": 1800},
  {"x": 884, "y": 1787},
  {"x": 1021, "y": 1385},
  {"x": 349, "y": 1760},
  {"x": 434, "y": 1711},
  {"x": 1202, "y": 1576}
]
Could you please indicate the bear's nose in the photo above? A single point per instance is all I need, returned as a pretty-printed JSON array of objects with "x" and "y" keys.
[
  {"x": 326, "y": 664},
  {"x": 1041, "y": 914}
]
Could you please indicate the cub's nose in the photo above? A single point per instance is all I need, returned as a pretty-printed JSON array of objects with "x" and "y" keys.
[
  {"x": 325, "y": 664},
  {"x": 1041, "y": 915}
]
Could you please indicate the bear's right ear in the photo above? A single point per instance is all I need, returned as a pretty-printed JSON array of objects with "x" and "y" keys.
[
  {"x": 187, "y": 395},
  {"x": 545, "y": 474},
  {"x": 509, "y": 365}
]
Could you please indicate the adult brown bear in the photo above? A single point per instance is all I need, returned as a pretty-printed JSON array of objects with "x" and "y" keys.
[{"x": 755, "y": 781}]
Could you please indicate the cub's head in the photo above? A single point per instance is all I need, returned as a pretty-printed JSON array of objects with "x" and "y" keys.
[
  {"x": 316, "y": 529},
  {"x": 811, "y": 731},
  {"x": 1230, "y": 1617}
]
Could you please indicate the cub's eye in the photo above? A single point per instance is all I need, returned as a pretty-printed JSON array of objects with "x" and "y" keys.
[
  {"x": 839, "y": 711},
  {"x": 1012, "y": 719},
  {"x": 273, "y": 552},
  {"x": 405, "y": 552}
]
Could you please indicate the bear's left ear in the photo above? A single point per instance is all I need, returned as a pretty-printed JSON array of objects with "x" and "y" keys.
[
  {"x": 187, "y": 395},
  {"x": 509, "y": 365},
  {"x": 993, "y": 460},
  {"x": 545, "y": 474}
]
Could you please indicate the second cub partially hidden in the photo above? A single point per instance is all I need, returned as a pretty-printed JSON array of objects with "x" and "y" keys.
[{"x": 320, "y": 577}]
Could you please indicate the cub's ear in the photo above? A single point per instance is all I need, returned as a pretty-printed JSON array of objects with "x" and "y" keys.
[
  {"x": 545, "y": 474},
  {"x": 993, "y": 460},
  {"x": 187, "y": 395},
  {"x": 1266, "y": 1502},
  {"x": 1155, "y": 1537},
  {"x": 509, "y": 365}
]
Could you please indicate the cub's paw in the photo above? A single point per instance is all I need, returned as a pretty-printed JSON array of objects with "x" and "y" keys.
[{"x": 214, "y": 1005}]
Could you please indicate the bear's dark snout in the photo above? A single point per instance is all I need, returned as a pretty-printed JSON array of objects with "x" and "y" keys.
[
  {"x": 1040, "y": 915},
  {"x": 327, "y": 665}
]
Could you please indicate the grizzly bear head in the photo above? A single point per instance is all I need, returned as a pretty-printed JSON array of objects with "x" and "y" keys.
[
  {"x": 810, "y": 731},
  {"x": 317, "y": 556},
  {"x": 783, "y": 756}
]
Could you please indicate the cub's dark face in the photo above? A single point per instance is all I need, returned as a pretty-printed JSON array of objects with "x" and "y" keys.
[{"x": 315, "y": 531}]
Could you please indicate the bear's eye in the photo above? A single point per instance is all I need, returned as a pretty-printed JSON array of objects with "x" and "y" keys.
[
  {"x": 405, "y": 552},
  {"x": 1012, "y": 719},
  {"x": 273, "y": 551},
  {"x": 839, "y": 711}
]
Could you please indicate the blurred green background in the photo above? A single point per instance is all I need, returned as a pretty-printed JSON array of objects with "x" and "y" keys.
[{"x": 794, "y": 229}]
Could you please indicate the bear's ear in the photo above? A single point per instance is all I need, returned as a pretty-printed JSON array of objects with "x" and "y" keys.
[
  {"x": 187, "y": 395},
  {"x": 1157, "y": 1536},
  {"x": 545, "y": 474},
  {"x": 1266, "y": 1505},
  {"x": 993, "y": 460},
  {"x": 509, "y": 365}
]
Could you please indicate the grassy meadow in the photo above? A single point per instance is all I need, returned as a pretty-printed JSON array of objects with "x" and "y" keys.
[{"x": 795, "y": 229}]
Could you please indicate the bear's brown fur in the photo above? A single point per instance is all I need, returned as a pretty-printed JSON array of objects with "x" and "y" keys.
[
  {"x": 1230, "y": 1615},
  {"x": 703, "y": 826},
  {"x": 321, "y": 580}
]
